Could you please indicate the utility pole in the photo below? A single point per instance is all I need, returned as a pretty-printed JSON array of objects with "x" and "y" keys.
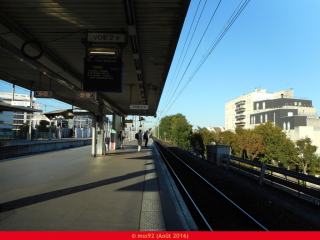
[{"x": 159, "y": 111}]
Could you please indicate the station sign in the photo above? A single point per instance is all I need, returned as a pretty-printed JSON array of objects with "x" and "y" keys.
[
  {"x": 20, "y": 103},
  {"x": 43, "y": 94},
  {"x": 102, "y": 75},
  {"x": 106, "y": 37},
  {"x": 128, "y": 121},
  {"x": 85, "y": 95},
  {"x": 139, "y": 107}
]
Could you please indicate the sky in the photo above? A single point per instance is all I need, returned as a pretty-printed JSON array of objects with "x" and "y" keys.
[{"x": 273, "y": 45}]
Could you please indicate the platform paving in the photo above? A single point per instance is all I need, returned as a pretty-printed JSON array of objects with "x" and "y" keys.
[
  {"x": 28, "y": 142},
  {"x": 69, "y": 190}
]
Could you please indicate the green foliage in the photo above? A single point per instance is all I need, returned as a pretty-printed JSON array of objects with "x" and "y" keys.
[
  {"x": 288, "y": 154},
  {"x": 24, "y": 128},
  {"x": 273, "y": 137},
  {"x": 252, "y": 143},
  {"x": 175, "y": 128},
  {"x": 306, "y": 154},
  {"x": 196, "y": 140},
  {"x": 229, "y": 138},
  {"x": 42, "y": 127},
  {"x": 203, "y": 137}
]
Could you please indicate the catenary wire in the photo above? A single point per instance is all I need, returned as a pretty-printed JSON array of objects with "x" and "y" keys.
[
  {"x": 194, "y": 53},
  {"x": 211, "y": 48},
  {"x": 182, "y": 52},
  {"x": 170, "y": 89}
]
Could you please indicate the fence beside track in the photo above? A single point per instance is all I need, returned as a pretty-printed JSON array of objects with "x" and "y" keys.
[
  {"x": 300, "y": 185},
  {"x": 197, "y": 187}
]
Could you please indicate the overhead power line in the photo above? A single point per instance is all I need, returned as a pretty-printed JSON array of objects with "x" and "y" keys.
[
  {"x": 193, "y": 53},
  {"x": 224, "y": 30},
  {"x": 173, "y": 81}
]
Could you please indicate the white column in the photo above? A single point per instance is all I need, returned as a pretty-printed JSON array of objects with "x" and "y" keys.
[{"x": 94, "y": 122}]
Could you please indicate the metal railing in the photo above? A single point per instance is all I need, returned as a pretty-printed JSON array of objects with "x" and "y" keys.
[{"x": 300, "y": 185}]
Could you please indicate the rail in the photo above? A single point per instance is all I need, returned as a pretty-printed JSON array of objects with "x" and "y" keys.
[
  {"x": 300, "y": 185},
  {"x": 215, "y": 190}
]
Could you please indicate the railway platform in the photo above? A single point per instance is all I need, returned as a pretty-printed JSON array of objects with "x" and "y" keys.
[{"x": 69, "y": 190}]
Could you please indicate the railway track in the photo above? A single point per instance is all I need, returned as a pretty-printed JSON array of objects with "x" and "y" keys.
[{"x": 210, "y": 208}]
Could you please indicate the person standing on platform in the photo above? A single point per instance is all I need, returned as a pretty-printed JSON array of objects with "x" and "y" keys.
[
  {"x": 139, "y": 140},
  {"x": 121, "y": 139},
  {"x": 146, "y": 138}
]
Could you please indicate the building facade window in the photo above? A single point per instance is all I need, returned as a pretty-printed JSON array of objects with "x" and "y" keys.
[
  {"x": 266, "y": 117},
  {"x": 254, "y": 120},
  {"x": 264, "y": 105},
  {"x": 284, "y": 126},
  {"x": 257, "y": 105},
  {"x": 261, "y": 119}
]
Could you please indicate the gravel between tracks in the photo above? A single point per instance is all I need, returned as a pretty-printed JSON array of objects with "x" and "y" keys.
[{"x": 275, "y": 210}]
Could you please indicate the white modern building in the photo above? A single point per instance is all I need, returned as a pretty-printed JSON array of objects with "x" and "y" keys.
[
  {"x": 297, "y": 117},
  {"x": 215, "y": 129},
  {"x": 239, "y": 110},
  {"x": 19, "y": 118}
]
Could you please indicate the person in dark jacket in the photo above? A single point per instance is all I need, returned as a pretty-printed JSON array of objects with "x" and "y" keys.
[{"x": 146, "y": 138}]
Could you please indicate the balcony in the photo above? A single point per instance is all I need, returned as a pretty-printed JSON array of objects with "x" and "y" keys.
[
  {"x": 240, "y": 109},
  {"x": 242, "y": 102},
  {"x": 240, "y": 116},
  {"x": 240, "y": 123}
]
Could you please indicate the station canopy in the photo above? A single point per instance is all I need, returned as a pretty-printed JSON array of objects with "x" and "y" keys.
[
  {"x": 60, "y": 114},
  {"x": 9, "y": 108},
  {"x": 44, "y": 45}
]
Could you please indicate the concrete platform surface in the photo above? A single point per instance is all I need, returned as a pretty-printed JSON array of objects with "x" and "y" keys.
[
  {"x": 69, "y": 190},
  {"x": 28, "y": 142}
]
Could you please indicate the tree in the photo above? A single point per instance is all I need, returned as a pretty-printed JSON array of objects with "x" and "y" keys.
[
  {"x": 42, "y": 127},
  {"x": 306, "y": 153},
  {"x": 288, "y": 154},
  {"x": 165, "y": 126},
  {"x": 252, "y": 143},
  {"x": 181, "y": 130},
  {"x": 229, "y": 138},
  {"x": 196, "y": 140},
  {"x": 24, "y": 128},
  {"x": 207, "y": 136},
  {"x": 176, "y": 128},
  {"x": 273, "y": 137}
]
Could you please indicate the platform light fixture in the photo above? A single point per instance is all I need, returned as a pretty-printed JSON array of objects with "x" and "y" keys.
[{"x": 103, "y": 51}]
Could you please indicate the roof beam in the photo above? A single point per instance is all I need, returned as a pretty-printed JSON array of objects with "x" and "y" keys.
[{"x": 12, "y": 38}]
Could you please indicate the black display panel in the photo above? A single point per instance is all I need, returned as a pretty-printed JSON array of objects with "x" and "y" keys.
[{"x": 102, "y": 75}]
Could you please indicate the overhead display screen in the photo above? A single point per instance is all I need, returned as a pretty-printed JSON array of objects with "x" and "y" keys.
[{"x": 102, "y": 75}]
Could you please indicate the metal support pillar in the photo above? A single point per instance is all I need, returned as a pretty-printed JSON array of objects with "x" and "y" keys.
[
  {"x": 101, "y": 145},
  {"x": 94, "y": 123},
  {"x": 113, "y": 134},
  {"x": 123, "y": 123},
  {"x": 31, "y": 114},
  {"x": 13, "y": 89}
]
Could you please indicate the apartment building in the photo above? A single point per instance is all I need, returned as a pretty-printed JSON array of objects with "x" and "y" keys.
[
  {"x": 239, "y": 110},
  {"x": 297, "y": 117},
  {"x": 19, "y": 118}
]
